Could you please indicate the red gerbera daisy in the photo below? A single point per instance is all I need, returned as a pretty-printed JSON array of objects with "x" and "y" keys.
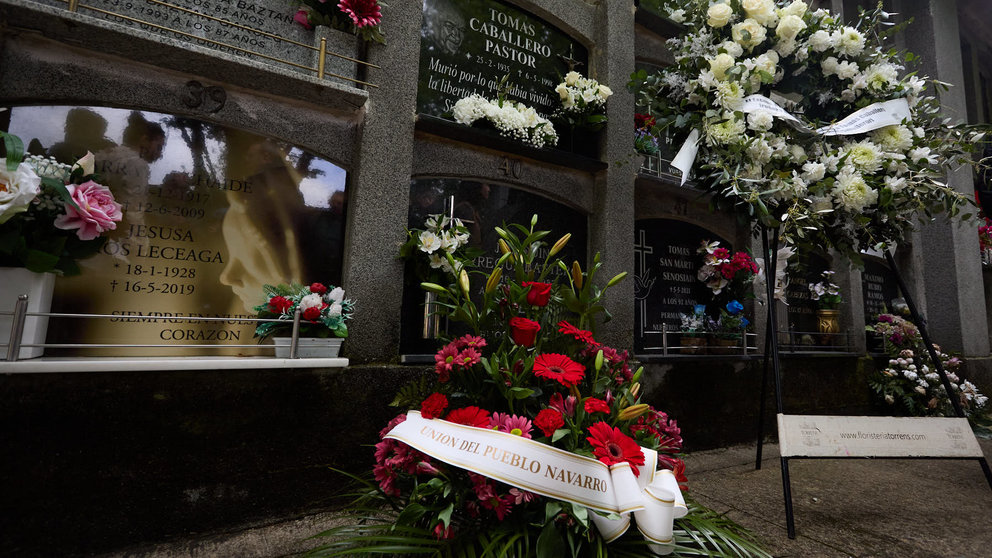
[
  {"x": 611, "y": 446},
  {"x": 553, "y": 366},
  {"x": 362, "y": 12},
  {"x": 578, "y": 334},
  {"x": 469, "y": 416}
]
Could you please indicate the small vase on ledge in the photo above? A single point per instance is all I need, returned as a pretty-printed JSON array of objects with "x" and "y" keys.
[
  {"x": 308, "y": 347},
  {"x": 828, "y": 324},
  {"x": 15, "y": 281}
]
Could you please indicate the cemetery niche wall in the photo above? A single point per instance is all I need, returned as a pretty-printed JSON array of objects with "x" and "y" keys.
[
  {"x": 800, "y": 330},
  {"x": 481, "y": 206},
  {"x": 211, "y": 214},
  {"x": 666, "y": 263},
  {"x": 880, "y": 289}
]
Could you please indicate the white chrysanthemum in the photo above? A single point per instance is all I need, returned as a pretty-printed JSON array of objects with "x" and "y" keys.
[
  {"x": 895, "y": 183},
  {"x": 896, "y": 138},
  {"x": 748, "y": 33},
  {"x": 429, "y": 242},
  {"x": 852, "y": 192},
  {"x": 730, "y": 95},
  {"x": 731, "y": 48},
  {"x": 707, "y": 80},
  {"x": 847, "y": 69},
  {"x": 725, "y": 131},
  {"x": 719, "y": 14},
  {"x": 829, "y": 66},
  {"x": 820, "y": 41},
  {"x": 814, "y": 171},
  {"x": 719, "y": 65},
  {"x": 312, "y": 300},
  {"x": 849, "y": 41},
  {"x": 789, "y": 26},
  {"x": 761, "y": 121},
  {"x": 762, "y": 11},
  {"x": 864, "y": 155},
  {"x": 759, "y": 151},
  {"x": 881, "y": 76}
]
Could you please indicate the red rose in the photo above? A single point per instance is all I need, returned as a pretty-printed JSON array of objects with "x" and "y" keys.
[
  {"x": 279, "y": 304},
  {"x": 524, "y": 331},
  {"x": 549, "y": 420},
  {"x": 317, "y": 288},
  {"x": 313, "y": 313},
  {"x": 593, "y": 405},
  {"x": 538, "y": 294},
  {"x": 433, "y": 406}
]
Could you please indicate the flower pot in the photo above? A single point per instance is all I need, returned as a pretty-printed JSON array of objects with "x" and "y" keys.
[
  {"x": 723, "y": 346},
  {"x": 692, "y": 344},
  {"x": 308, "y": 347},
  {"x": 16, "y": 281},
  {"x": 828, "y": 324}
]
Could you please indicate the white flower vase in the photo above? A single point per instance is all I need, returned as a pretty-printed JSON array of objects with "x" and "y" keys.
[
  {"x": 308, "y": 347},
  {"x": 15, "y": 281}
]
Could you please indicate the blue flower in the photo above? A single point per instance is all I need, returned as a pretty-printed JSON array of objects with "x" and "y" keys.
[
  {"x": 734, "y": 307},
  {"x": 699, "y": 309},
  {"x": 744, "y": 323}
]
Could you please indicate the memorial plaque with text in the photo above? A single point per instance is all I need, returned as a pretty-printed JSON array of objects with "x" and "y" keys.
[
  {"x": 666, "y": 264},
  {"x": 481, "y": 206},
  {"x": 879, "y": 287},
  {"x": 210, "y": 215},
  {"x": 468, "y": 46},
  {"x": 802, "y": 309}
]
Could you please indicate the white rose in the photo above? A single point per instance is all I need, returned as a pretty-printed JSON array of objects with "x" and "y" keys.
[
  {"x": 719, "y": 15},
  {"x": 748, "y": 33},
  {"x": 604, "y": 92},
  {"x": 571, "y": 78},
  {"x": 720, "y": 64},
  {"x": 562, "y": 91},
  {"x": 789, "y": 27},
  {"x": 17, "y": 189},
  {"x": 797, "y": 8},
  {"x": 731, "y": 48},
  {"x": 762, "y": 11},
  {"x": 767, "y": 61}
]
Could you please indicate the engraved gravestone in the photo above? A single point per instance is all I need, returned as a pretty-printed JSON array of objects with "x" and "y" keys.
[
  {"x": 481, "y": 206},
  {"x": 666, "y": 263},
  {"x": 879, "y": 287},
  {"x": 468, "y": 46},
  {"x": 210, "y": 214}
]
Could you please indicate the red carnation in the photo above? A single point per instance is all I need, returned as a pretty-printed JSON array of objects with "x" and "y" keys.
[
  {"x": 469, "y": 416},
  {"x": 560, "y": 368},
  {"x": 524, "y": 331},
  {"x": 279, "y": 304},
  {"x": 549, "y": 420},
  {"x": 593, "y": 405},
  {"x": 317, "y": 288},
  {"x": 433, "y": 406},
  {"x": 578, "y": 334},
  {"x": 538, "y": 294},
  {"x": 611, "y": 446},
  {"x": 362, "y": 12}
]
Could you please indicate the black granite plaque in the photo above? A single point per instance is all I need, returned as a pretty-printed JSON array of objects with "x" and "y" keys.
[
  {"x": 481, "y": 206},
  {"x": 879, "y": 287},
  {"x": 802, "y": 309},
  {"x": 666, "y": 264},
  {"x": 468, "y": 46}
]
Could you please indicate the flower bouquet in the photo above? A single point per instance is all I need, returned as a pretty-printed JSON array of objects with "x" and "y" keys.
[
  {"x": 806, "y": 123},
  {"x": 985, "y": 243},
  {"x": 694, "y": 329},
  {"x": 358, "y": 17},
  {"x": 644, "y": 140},
  {"x": 725, "y": 271},
  {"x": 825, "y": 292},
  {"x": 512, "y": 119},
  {"x": 910, "y": 383},
  {"x": 583, "y": 102},
  {"x": 526, "y": 431},
  {"x": 730, "y": 327},
  {"x": 323, "y": 312},
  {"x": 51, "y": 214}
]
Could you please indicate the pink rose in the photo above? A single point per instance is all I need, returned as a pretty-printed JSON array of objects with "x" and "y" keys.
[
  {"x": 98, "y": 212},
  {"x": 303, "y": 18}
]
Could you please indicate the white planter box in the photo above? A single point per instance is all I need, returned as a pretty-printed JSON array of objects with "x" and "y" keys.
[
  {"x": 16, "y": 281},
  {"x": 309, "y": 347}
]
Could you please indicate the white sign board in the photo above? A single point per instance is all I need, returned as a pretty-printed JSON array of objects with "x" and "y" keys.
[{"x": 828, "y": 436}]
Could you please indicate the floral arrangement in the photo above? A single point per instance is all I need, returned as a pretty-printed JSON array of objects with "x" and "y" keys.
[
  {"x": 697, "y": 321},
  {"x": 529, "y": 374},
  {"x": 511, "y": 118},
  {"x": 644, "y": 140},
  {"x": 583, "y": 101},
  {"x": 910, "y": 382},
  {"x": 359, "y": 17},
  {"x": 723, "y": 270},
  {"x": 732, "y": 322},
  {"x": 323, "y": 310},
  {"x": 806, "y": 122},
  {"x": 985, "y": 237},
  {"x": 51, "y": 214},
  {"x": 825, "y": 292},
  {"x": 443, "y": 241}
]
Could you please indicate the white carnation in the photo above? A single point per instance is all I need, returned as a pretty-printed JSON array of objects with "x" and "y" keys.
[
  {"x": 814, "y": 171},
  {"x": 334, "y": 310},
  {"x": 820, "y": 41},
  {"x": 847, "y": 69},
  {"x": 852, "y": 192},
  {"x": 678, "y": 16},
  {"x": 760, "y": 120}
]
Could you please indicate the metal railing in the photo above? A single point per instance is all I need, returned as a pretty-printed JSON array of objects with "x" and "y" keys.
[
  {"x": 672, "y": 343},
  {"x": 20, "y": 315},
  {"x": 794, "y": 341},
  {"x": 322, "y": 52}
]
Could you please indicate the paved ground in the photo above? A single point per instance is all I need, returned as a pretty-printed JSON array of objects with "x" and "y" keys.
[{"x": 843, "y": 508}]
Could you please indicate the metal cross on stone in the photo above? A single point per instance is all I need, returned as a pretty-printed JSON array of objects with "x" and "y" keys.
[{"x": 641, "y": 251}]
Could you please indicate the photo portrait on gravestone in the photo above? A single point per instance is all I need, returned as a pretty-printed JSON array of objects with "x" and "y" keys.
[{"x": 211, "y": 214}]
